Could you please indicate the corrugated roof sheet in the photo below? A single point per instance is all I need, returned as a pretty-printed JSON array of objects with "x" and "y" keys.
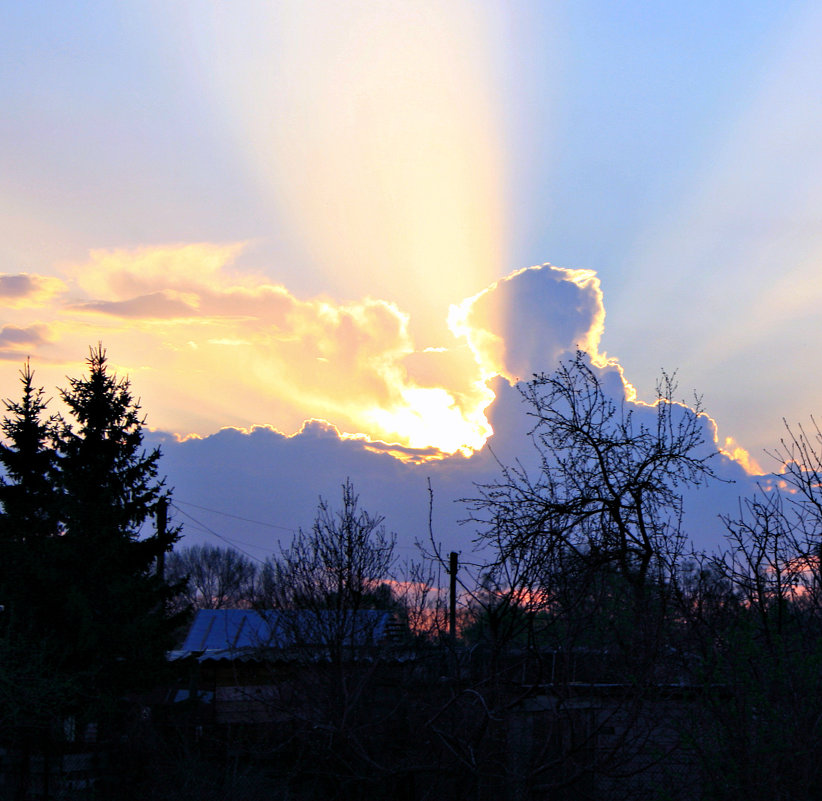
[{"x": 244, "y": 633}]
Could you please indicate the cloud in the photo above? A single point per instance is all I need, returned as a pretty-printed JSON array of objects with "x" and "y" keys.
[
  {"x": 12, "y": 335},
  {"x": 232, "y": 348},
  {"x": 211, "y": 345},
  {"x": 525, "y": 322},
  {"x": 159, "y": 305},
  {"x": 16, "y": 286},
  {"x": 264, "y": 476},
  {"x": 211, "y": 348},
  {"x": 24, "y": 289},
  {"x": 16, "y": 343},
  {"x": 122, "y": 273}
]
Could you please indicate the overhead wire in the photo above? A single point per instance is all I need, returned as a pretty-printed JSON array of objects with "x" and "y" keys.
[
  {"x": 291, "y": 530},
  {"x": 236, "y": 517},
  {"x": 210, "y": 530}
]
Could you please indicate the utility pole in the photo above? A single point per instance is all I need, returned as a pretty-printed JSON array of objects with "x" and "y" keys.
[
  {"x": 452, "y": 600},
  {"x": 162, "y": 523}
]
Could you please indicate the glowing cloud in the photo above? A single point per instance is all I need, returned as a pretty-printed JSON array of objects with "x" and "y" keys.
[
  {"x": 128, "y": 273},
  {"x": 528, "y": 320},
  {"x": 531, "y": 319},
  {"x": 210, "y": 345},
  {"x": 733, "y": 450}
]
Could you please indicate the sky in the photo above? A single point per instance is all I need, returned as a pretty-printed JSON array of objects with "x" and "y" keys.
[{"x": 311, "y": 233}]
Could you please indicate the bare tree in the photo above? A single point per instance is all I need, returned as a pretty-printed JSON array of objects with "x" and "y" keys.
[
  {"x": 339, "y": 564},
  {"x": 584, "y": 550},
  {"x": 216, "y": 578},
  {"x": 755, "y": 629},
  {"x": 328, "y": 595},
  {"x": 609, "y": 483}
]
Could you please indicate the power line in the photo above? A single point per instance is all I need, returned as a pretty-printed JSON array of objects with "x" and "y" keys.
[
  {"x": 216, "y": 534},
  {"x": 235, "y": 517},
  {"x": 202, "y": 526},
  {"x": 246, "y": 520}
]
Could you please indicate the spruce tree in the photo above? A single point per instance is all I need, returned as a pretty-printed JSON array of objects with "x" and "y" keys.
[
  {"x": 29, "y": 507},
  {"x": 33, "y": 687},
  {"x": 110, "y": 483},
  {"x": 115, "y": 603},
  {"x": 85, "y": 619}
]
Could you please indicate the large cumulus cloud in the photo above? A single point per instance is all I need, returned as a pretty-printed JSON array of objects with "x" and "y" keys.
[
  {"x": 211, "y": 344},
  {"x": 253, "y": 488},
  {"x": 228, "y": 355}
]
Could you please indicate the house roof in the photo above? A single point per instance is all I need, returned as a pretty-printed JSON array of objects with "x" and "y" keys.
[{"x": 251, "y": 634}]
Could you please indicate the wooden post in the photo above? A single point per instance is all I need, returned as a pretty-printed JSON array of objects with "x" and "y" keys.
[
  {"x": 452, "y": 600},
  {"x": 162, "y": 522}
]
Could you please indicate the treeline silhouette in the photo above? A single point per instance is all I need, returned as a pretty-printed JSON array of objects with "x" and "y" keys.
[{"x": 595, "y": 655}]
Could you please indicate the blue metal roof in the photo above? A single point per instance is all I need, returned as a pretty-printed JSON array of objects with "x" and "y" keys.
[{"x": 237, "y": 633}]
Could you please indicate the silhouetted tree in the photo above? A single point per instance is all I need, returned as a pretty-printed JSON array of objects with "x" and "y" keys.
[
  {"x": 29, "y": 505},
  {"x": 583, "y": 551},
  {"x": 212, "y": 577},
  {"x": 114, "y": 605},
  {"x": 759, "y": 649},
  {"x": 327, "y": 591},
  {"x": 86, "y": 620},
  {"x": 610, "y": 478},
  {"x": 34, "y": 689},
  {"x": 337, "y": 566}
]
